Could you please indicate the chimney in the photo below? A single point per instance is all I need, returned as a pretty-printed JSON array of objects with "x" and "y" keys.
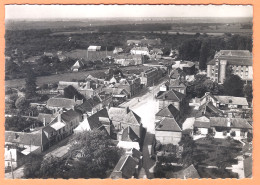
[
  {"x": 88, "y": 84},
  {"x": 228, "y": 122},
  {"x": 59, "y": 117},
  {"x": 44, "y": 122}
]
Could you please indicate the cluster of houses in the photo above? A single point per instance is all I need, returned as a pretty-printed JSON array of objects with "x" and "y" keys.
[
  {"x": 103, "y": 92},
  {"x": 141, "y": 51}
]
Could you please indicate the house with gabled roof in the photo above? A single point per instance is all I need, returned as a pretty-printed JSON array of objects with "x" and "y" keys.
[
  {"x": 99, "y": 120},
  {"x": 168, "y": 131},
  {"x": 166, "y": 98},
  {"x": 139, "y": 51},
  {"x": 177, "y": 85},
  {"x": 90, "y": 106},
  {"x": 57, "y": 103},
  {"x": 209, "y": 110},
  {"x": 224, "y": 102},
  {"x": 168, "y": 112},
  {"x": 223, "y": 127},
  {"x": 64, "y": 124},
  {"x": 124, "y": 117},
  {"x": 94, "y": 48},
  {"x": 127, "y": 167},
  {"x": 35, "y": 142},
  {"x": 177, "y": 74},
  {"x": 128, "y": 139}
]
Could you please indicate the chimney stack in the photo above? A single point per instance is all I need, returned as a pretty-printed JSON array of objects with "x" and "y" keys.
[
  {"x": 59, "y": 117},
  {"x": 44, "y": 122},
  {"x": 228, "y": 122}
]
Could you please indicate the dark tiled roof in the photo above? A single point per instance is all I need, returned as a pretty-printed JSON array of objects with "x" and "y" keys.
[
  {"x": 70, "y": 115},
  {"x": 201, "y": 124},
  {"x": 125, "y": 167},
  {"x": 209, "y": 109},
  {"x": 48, "y": 117},
  {"x": 129, "y": 135},
  {"x": 176, "y": 83},
  {"x": 136, "y": 153},
  {"x": 186, "y": 173},
  {"x": 98, "y": 74},
  {"x": 94, "y": 120},
  {"x": 88, "y": 105},
  {"x": 176, "y": 73},
  {"x": 171, "y": 95},
  {"x": 169, "y": 111},
  {"x": 36, "y": 139},
  {"x": 208, "y": 94},
  {"x": 48, "y": 129},
  {"x": 168, "y": 124}
]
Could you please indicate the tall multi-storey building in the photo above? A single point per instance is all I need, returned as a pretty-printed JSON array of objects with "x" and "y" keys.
[{"x": 239, "y": 61}]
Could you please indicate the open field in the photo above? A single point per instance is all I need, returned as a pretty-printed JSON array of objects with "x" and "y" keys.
[{"x": 65, "y": 76}]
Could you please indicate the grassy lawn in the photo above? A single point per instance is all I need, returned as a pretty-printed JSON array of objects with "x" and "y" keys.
[{"x": 216, "y": 152}]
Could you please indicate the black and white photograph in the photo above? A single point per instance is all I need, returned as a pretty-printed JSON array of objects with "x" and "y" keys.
[{"x": 128, "y": 91}]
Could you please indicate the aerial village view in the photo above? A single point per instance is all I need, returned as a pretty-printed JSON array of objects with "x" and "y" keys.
[{"x": 101, "y": 92}]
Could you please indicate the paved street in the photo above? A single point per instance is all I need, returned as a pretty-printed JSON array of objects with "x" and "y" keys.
[
  {"x": 148, "y": 163},
  {"x": 146, "y": 106},
  {"x": 18, "y": 173}
]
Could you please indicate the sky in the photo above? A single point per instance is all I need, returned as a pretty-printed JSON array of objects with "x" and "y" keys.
[{"x": 101, "y": 11}]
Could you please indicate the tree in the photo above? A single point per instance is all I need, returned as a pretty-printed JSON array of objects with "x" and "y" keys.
[
  {"x": 18, "y": 123},
  {"x": 70, "y": 92},
  {"x": 248, "y": 91},
  {"x": 30, "y": 83},
  {"x": 21, "y": 104},
  {"x": 32, "y": 166},
  {"x": 188, "y": 148},
  {"x": 204, "y": 54},
  {"x": 99, "y": 153},
  {"x": 233, "y": 86},
  {"x": 97, "y": 157}
]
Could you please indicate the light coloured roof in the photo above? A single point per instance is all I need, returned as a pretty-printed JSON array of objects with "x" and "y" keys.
[
  {"x": 94, "y": 47},
  {"x": 232, "y": 100},
  {"x": 128, "y": 145},
  {"x": 235, "y": 122},
  {"x": 58, "y": 125}
]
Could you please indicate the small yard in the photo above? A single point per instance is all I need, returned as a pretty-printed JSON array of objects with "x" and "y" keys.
[{"x": 216, "y": 152}]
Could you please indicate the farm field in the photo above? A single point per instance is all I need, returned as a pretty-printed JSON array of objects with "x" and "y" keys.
[{"x": 65, "y": 76}]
